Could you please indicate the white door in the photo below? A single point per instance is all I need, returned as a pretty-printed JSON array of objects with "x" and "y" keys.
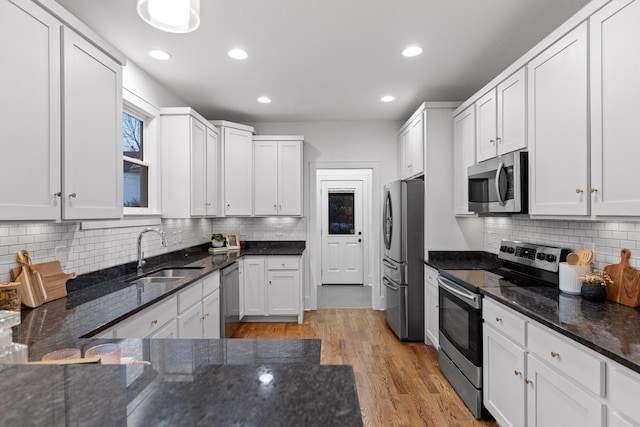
[{"x": 342, "y": 232}]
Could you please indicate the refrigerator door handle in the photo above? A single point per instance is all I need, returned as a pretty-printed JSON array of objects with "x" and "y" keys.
[
  {"x": 389, "y": 284},
  {"x": 390, "y": 265}
]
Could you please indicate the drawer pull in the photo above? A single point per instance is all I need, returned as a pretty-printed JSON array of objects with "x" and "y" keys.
[
  {"x": 554, "y": 354},
  {"x": 498, "y": 319},
  {"x": 516, "y": 372},
  {"x": 154, "y": 322}
]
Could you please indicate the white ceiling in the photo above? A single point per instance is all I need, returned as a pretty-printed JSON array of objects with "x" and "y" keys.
[{"x": 329, "y": 59}]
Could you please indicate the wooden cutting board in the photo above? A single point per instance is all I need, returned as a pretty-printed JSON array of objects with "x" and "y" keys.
[
  {"x": 32, "y": 291},
  {"x": 626, "y": 281},
  {"x": 53, "y": 278}
]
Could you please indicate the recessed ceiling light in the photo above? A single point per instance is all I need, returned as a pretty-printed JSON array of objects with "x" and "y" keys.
[
  {"x": 172, "y": 16},
  {"x": 160, "y": 55},
  {"x": 264, "y": 99},
  {"x": 388, "y": 98},
  {"x": 412, "y": 51},
  {"x": 238, "y": 54}
]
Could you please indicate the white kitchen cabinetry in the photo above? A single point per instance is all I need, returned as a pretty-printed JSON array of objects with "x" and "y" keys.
[
  {"x": 199, "y": 309},
  {"x": 277, "y": 175},
  {"x": 558, "y": 127},
  {"x": 190, "y": 167},
  {"x": 237, "y": 166},
  {"x": 149, "y": 321},
  {"x": 168, "y": 331},
  {"x": 431, "y": 304},
  {"x": 464, "y": 155},
  {"x": 272, "y": 287},
  {"x": 501, "y": 118},
  {"x": 411, "y": 139},
  {"x": 62, "y": 113},
  {"x": 527, "y": 365},
  {"x": 614, "y": 34}
]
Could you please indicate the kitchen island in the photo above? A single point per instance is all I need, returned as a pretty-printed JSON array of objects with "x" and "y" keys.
[{"x": 186, "y": 382}]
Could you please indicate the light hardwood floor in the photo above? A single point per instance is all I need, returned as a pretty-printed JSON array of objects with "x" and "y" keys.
[{"x": 399, "y": 384}]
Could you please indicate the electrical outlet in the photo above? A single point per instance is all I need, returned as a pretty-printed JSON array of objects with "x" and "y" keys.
[{"x": 278, "y": 230}]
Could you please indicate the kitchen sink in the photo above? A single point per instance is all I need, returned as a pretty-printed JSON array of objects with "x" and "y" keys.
[{"x": 166, "y": 275}]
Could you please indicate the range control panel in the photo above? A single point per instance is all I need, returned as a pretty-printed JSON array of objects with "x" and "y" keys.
[{"x": 533, "y": 255}]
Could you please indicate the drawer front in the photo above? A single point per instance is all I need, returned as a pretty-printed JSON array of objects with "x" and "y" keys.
[
  {"x": 150, "y": 320},
  {"x": 623, "y": 390},
  {"x": 210, "y": 283},
  {"x": 283, "y": 263},
  {"x": 189, "y": 296},
  {"x": 504, "y": 319},
  {"x": 571, "y": 360}
]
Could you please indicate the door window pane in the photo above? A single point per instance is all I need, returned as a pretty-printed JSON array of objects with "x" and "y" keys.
[{"x": 341, "y": 213}]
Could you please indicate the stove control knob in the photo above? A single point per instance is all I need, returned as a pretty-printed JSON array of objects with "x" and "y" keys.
[
  {"x": 551, "y": 257},
  {"x": 503, "y": 248},
  {"x": 510, "y": 250},
  {"x": 541, "y": 256}
]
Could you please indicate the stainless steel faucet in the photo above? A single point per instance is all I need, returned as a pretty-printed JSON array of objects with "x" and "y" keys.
[{"x": 141, "y": 261}]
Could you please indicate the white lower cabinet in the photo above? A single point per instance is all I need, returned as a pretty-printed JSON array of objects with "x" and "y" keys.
[
  {"x": 149, "y": 321},
  {"x": 431, "y": 319},
  {"x": 211, "y": 314},
  {"x": 272, "y": 287},
  {"x": 170, "y": 330},
  {"x": 535, "y": 377}
]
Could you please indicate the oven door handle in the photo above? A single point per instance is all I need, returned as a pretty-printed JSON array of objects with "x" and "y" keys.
[
  {"x": 389, "y": 284},
  {"x": 470, "y": 296},
  {"x": 388, "y": 264}
]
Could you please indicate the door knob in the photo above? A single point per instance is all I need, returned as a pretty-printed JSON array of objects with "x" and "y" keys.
[{"x": 359, "y": 240}]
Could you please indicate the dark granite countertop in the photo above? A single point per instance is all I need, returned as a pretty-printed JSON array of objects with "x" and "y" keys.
[
  {"x": 189, "y": 382},
  {"x": 608, "y": 328}
]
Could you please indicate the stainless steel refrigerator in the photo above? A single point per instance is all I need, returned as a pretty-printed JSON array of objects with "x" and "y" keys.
[{"x": 403, "y": 262}]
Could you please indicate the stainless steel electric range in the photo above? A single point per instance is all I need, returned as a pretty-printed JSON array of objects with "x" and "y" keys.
[{"x": 460, "y": 310}]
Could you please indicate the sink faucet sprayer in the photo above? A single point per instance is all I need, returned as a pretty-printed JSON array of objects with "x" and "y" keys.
[{"x": 141, "y": 261}]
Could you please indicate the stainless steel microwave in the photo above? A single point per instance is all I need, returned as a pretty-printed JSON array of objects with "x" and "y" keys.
[{"x": 499, "y": 185}]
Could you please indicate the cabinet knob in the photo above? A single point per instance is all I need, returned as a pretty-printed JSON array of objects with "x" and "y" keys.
[
  {"x": 498, "y": 319},
  {"x": 228, "y": 204},
  {"x": 269, "y": 281},
  {"x": 499, "y": 140},
  {"x": 554, "y": 354},
  {"x": 593, "y": 190},
  {"x": 154, "y": 322},
  {"x": 72, "y": 195},
  {"x": 526, "y": 381},
  {"x": 517, "y": 373},
  {"x": 493, "y": 141},
  {"x": 58, "y": 194},
  {"x": 274, "y": 206},
  {"x": 579, "y": 191}
]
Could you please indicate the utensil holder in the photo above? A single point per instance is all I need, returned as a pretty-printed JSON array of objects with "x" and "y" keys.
[{"x": 569, "y": 280}]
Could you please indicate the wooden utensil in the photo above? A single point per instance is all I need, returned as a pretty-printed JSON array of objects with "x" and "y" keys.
[
  {"x": 32, "y": 291},
  {"x": 573, "y": 259},
  {"x": 626, "y": 281},
  {"x": 584, "y": 256}
]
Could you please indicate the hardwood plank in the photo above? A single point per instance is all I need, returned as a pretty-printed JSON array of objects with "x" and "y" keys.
[{"x": 399, "y": 384}]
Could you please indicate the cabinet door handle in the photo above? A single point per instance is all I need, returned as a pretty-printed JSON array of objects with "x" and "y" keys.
[
  {"x": 58, "y": 194},
  {"x": 499, "y": 140},
  {"x": 593, "y": 190},
  {"x": 492, "y": 141},
  {"x": 498, "y": 319},
  {"x": 154, "y": 322},
  {"x": 554, "y": 354},
  {"x": 72, "y": 195},
  {"x": 517, "y": 373},
  {"x": 526, "y": 381},
  {"x": 579, "y": 191}
]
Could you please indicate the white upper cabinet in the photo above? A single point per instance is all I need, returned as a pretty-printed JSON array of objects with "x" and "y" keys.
[
  {"x": 277, "y": 184},
  {"x": 237, "y": 147},
  {"x": 70, "y": 170},
  {"x": 501, "y": 118},
  {"x": 464, "y": 155},
  {"x": 92, "y": 132},
  {"x": 615, "y": 87},
  {"x": 486, "y": 122},
  {"x": 411, "y": 140},
  {"x": 190, "y": 164},
  {"x": 557, "y": 127}
]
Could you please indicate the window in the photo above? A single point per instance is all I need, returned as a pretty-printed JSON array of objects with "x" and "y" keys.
[
  {"x": 136, "y": 171},
  {"x": 341, "y": 213},
  {"x": 139, "y": 155}
]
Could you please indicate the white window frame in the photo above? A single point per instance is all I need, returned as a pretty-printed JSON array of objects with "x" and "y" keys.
[{"x": 150, "y": 116}]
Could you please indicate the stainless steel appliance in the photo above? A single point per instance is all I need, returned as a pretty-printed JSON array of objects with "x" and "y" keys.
[
  {"x": 403, "y": 223},
  {"x": 499, "y": 185},
  {"x": 229, "y": 300},
  {"x": 460, "y": 312}
]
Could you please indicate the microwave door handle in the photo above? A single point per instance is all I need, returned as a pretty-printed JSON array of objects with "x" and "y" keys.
[{"x": 498, "y": 173}]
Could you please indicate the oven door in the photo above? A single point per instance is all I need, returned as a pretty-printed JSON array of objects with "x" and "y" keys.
[{"x": 460, "y": 315}]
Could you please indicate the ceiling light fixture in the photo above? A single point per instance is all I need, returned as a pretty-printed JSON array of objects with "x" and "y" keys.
[
  {"x": 264, "y": 100},
  {"x": 388, "y": 98},
  {"x": 412, "y": 51},
  {"x": 160, "y": 55},
  {"x": 238, "y": 54},
  {"x": 174, "y": 16}
]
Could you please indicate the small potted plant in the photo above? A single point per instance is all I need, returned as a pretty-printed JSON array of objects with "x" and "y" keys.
[
  {"x": 594, "y": 285},
  {"x": 218, "y": 240}
]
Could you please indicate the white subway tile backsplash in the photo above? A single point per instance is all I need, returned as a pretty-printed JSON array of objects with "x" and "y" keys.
[{"x": 606, "y": 239}]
